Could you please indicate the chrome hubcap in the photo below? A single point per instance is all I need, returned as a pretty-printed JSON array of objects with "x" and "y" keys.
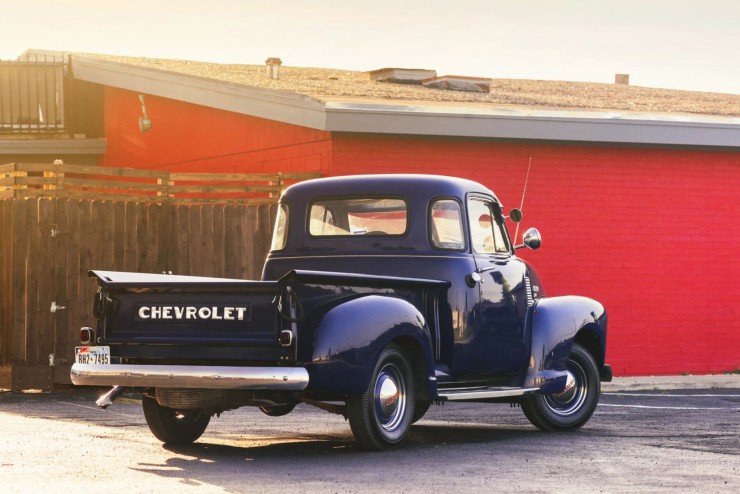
[
  {"x": 571, "y": 399},
  {"x": 568, "y": 393},
  {"x": 390, "y": 397}
]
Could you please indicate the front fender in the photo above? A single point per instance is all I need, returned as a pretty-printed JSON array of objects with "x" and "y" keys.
[
  {"x": 350, "y": 336},
  {"x": 554, "y": 323}
]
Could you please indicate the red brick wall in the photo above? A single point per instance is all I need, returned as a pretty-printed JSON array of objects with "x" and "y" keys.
[
  {"x": 193, "y": 138},
  {"x": 651, "y": 233}
]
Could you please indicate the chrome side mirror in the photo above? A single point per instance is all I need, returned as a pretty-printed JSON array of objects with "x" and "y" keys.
[{"x": 532, "y": 239}]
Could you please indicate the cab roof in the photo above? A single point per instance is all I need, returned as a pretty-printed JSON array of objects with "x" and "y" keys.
[{"x": 421, "y": 187}]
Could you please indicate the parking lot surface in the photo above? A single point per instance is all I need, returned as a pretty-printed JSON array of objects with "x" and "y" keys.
[{"x": 639, "y": 440}]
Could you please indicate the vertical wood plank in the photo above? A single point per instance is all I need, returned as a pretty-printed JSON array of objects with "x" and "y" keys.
[
  {"x": 183, "y": 240},
  {"x": 97, "y": 232},
  {"x": 250, "y": 231},
  {"x": 77, "y": 266},
  {"x": 44, "y": 263},
  {"x": 194, "y": 222},
  {"x": 219, "y": 259},
  {"x": 262, "y": 240},
  {"x": 119, "y": 231},
  {"x": 129, "y": 250},
  {"x": 167, "y": 239},
  {"x": 63, "y": 320},
  {"x": 85, "y": 243},
  {"x": 207, "y": 263},
  {"x": 232, "y": 266},
  {"x": 143, "y": 257},
  {"x": 102, "y": 220},
  {"x": 31, "y": 261},
  {"x": 19, "y": 258},
  {"x": 154, "y": 235},
  {"x": 6, "y": 284}
]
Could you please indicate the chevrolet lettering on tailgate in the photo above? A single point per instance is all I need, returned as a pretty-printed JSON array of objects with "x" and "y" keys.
[{"x": 168, "y": 312}]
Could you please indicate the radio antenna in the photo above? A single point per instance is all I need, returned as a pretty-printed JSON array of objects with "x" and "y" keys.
[{"x": 524, "y": 192}]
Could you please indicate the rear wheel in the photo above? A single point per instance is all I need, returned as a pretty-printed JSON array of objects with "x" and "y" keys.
[
  {"x": 573, "y": 407},
  {"x": 171, "y": 426},
  {"x": 382, "y": 415}
]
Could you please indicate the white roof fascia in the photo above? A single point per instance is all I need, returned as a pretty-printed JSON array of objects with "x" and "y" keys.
[
  {"x": 593, "y": 127},
  {"x": 264, "y": 103}
]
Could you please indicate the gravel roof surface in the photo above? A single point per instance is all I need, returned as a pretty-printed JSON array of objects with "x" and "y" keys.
[{"x": 331, "y": 84}]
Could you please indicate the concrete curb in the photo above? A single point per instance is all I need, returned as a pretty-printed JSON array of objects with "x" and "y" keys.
[{"x": 664, "y": 383}]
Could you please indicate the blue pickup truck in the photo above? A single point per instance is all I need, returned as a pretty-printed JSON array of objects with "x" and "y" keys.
[{"x": 381, "y": 295}]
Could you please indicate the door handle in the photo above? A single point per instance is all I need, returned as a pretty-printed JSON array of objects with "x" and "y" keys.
[{"x": 472, "y": 279}]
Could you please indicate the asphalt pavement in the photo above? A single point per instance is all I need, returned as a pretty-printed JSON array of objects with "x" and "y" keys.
[{"x": 649, "y": 434}]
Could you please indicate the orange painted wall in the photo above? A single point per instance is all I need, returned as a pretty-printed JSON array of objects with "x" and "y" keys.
[{"x": 192, "y": 138}]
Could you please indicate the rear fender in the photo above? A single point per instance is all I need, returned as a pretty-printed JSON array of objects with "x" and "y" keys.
[
  {"x": 350, "y": 336},
  {"x": 554, "y": 324}
]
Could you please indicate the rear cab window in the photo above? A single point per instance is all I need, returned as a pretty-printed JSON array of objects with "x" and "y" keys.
[{"x": 358, "y": 216}]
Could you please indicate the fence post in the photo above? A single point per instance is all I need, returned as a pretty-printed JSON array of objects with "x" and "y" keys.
[
  {"x": 279, "y": 184},
  {"x": 54, "y": 174},
  {"x": 163, "y": 193},
  {"x": 15, "y": 186}
]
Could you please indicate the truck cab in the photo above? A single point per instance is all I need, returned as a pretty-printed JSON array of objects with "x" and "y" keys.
[{"x": 415, "y": 226}]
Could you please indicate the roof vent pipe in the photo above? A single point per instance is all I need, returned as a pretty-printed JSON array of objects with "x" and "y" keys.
[
  {"x": 273, "y": 68},
  {"x": 622, "y": 79}
]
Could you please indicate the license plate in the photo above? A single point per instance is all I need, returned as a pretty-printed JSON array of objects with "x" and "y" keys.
[{"x": 92, "y": 355}]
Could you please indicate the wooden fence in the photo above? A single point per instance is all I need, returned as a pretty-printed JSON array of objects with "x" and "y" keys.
[
  {"x": 51, "y": 237},
  {"x": 22, "y": 180}
]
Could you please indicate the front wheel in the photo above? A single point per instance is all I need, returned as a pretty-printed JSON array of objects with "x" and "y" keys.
[
  {"x": 382, "y": 415},
  {"x": 571, "y": 408},
  {"x": 171, "y": 426}
]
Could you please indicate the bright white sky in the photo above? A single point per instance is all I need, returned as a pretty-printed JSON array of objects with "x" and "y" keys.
[{"x": 679, "y": 44}]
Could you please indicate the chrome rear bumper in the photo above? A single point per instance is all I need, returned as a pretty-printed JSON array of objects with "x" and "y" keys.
[{"x": 190, "y": 376}]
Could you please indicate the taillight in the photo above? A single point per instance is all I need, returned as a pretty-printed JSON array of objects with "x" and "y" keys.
[
  {"x": 286, "y": 337},
  {"x": 87, "y": 336}
]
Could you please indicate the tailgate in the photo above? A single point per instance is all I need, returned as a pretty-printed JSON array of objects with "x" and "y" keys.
[{"x": 177, "y": 319}]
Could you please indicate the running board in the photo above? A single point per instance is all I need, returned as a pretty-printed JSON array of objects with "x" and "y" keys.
[{"x": 482, "y": 393}]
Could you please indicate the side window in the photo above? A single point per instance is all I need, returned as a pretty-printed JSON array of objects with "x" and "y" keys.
[
  {"x": 445, "y": 224},
  {"x": 486, "y": 232},
  {"x": 280, "y": 233}
]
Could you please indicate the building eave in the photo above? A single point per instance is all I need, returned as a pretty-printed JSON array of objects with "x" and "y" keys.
[
  {"x": 281, "y": 106},
  {"x": 589, "y": 127}
]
